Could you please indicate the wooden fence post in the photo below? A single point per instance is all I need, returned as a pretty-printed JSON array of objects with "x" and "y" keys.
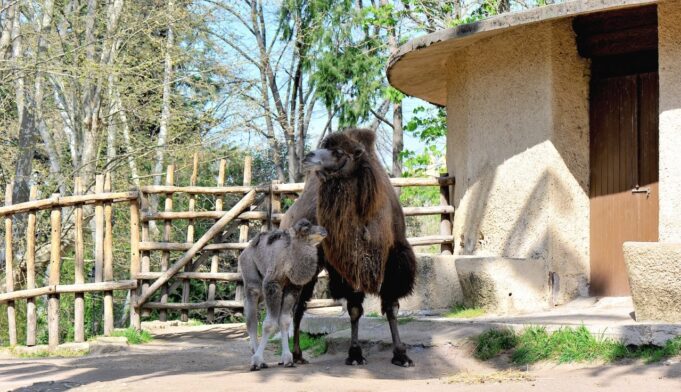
[
  {"x": 99, "y": 230},
  {"x": 146, "y": 255},
  {"x": 31, "y": 318},
  {"x": 9, "y": 269},
  {"x": 167, "y": 231},
  {"x": 243, "y": 228},
  {"x": 215, "y": 258},
  {"x": 445, "y": 219},
  {"x": 275, "y": 203},
  {"x": 184, "y": 313},
  {"x": 55, "y": 269},
  {"x": 79, "y": 302},
  {"x": 135, "y": 319},
  {"x": 108, "y": 260}
]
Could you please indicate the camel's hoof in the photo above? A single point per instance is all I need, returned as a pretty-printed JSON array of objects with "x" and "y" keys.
[
  {"x": 401, "y": 359},
  {"x": 254, "y": 368},
  {"x": 355, "y": 357},
  {"x": 287, "y": 364},
  {"x": 298, "y": 358}
]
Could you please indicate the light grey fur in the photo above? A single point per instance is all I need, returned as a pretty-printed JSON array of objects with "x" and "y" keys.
[{"x": 275, "y": 266}]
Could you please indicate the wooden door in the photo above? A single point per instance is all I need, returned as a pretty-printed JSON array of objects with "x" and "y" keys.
[{"x": 624, "y": 174}]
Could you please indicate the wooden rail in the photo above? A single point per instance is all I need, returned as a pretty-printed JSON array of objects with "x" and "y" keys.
[{"x": 168, "y": 271}]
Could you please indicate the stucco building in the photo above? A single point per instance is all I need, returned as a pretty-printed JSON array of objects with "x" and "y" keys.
[{"x": 564, "y": 135}]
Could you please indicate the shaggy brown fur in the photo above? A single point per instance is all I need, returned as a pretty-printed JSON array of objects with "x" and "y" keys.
[{"x": 366, "y": 251}]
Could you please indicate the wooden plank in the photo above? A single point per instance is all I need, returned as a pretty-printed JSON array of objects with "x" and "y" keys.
[
  {"x": 9, "y": 270},
  {"x": 135, "y": 317},
  {"x": 315, "y": 303},
  {"x": 215, "y": 259},
  {"x": 184, "y": 314},
  {"x": 167, "y": 231},
  {"x": 108, "y": 260},
  {"x": 184, "y": 246},
  {"x": 194, "y": 305},
  {"x": 216, "y": 276},
  {"x": 276, "y": 217},
  {"x": 244, "y": 203},
  {"x": 430, "y": 240},
  {"x": 172, "y": 215},
  {"x": 79, "y": 302},
  {"x": 67, "y": 201},
  {"x": 201, "y": 190},
  {"x": 31, "y": 317},
  {"x": 69, "y": 288},
  {"x": 55, "y": 269},
  {"x": 99, "y": 230}
]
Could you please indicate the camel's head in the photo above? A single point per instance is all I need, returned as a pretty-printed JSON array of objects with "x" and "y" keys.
[
  {"x": 306, "y": 231},
  {"x": 341, "y": 154}
]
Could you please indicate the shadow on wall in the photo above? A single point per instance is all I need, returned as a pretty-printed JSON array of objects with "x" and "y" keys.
[{"x": 536, "y": 233}]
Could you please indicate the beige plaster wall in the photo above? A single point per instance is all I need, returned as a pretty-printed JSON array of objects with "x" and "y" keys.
[
  {"x": 518, "y": 146},
  {"x": 669, "y": 30}
]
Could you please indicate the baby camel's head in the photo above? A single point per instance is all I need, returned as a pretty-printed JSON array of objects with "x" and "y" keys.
[{"x": 306, "y": 231}]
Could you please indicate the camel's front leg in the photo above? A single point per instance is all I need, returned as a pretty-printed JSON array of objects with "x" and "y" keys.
[{"x": 355, "y": 309}]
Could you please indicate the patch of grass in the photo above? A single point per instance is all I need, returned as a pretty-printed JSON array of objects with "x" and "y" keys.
[
  {"x": 535, "y": 344},
  {"x": 134, "y": 336},
  {"x": 494, "y": 341},
  {"x": 59, "y": 352},
  {"x": 460, "y": 311},
  {"x": 194, "y": 323},
  {"x": 404, "y": 320},
  {"x": 315, "y": 344},
  {"x": 373, "y": 314}
]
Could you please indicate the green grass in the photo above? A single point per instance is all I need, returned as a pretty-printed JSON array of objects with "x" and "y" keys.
[
  {"x": 314, "y": 344},
  {"x": 134, "y": 336},
  {"x": 565, "y": 345},
  {"x": 404, "y": 320},
  {"x": 460, "y": 311},
  {"x": 494, "y": 341},
  {"x": 194, "y": 323},
  {"x": 373, "y": 314}
]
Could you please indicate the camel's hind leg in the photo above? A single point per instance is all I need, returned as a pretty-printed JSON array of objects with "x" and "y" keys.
[
  {"x": 273, "y": 298},
  {"x": 355, "y": 309},
  {"x": 251, "y": 312},
  {"x": 290, "y": 296},
  {"x": 400, "y": 358}
]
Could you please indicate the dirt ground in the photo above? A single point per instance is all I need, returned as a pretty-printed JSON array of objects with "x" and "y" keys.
[{"x": 207, "y": 358}]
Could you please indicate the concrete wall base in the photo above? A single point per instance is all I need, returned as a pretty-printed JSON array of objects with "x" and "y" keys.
[
  {"x": 504, "y": 285},
  {"x": 654, "y": 271},
  {"x": 436, "y": 287}
]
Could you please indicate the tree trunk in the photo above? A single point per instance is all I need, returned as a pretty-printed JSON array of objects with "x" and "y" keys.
[
  {"x": 165, "y": 109},
  {"x": 398, "y": 143},
  {"x": 7, "y": 30}
]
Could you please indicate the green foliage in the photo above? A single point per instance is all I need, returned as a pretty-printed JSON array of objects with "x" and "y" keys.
[
  {"x": 134, "y": 336},
  {"x": 314, "y": 344},
  {"x": 405, "y": 320},
  {"x": 460, "y": 311},
  {"x": 565, "y": 345},
  {"x": 373, "y": 314}
]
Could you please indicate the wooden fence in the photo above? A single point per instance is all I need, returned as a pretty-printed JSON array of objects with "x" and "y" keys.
[{"x": 141, "y": 281}]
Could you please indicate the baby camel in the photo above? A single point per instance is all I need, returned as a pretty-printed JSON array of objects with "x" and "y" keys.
[{"x": 276, "y": 265}]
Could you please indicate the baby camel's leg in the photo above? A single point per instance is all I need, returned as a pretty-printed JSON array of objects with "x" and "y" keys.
[
  {"x": 251, "y": 313},
  {"x": 290, "y": 297},
  {"x": 273, "y": 297}
]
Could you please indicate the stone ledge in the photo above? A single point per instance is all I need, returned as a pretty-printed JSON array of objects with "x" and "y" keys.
[{"x": 655, "y": 280}]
